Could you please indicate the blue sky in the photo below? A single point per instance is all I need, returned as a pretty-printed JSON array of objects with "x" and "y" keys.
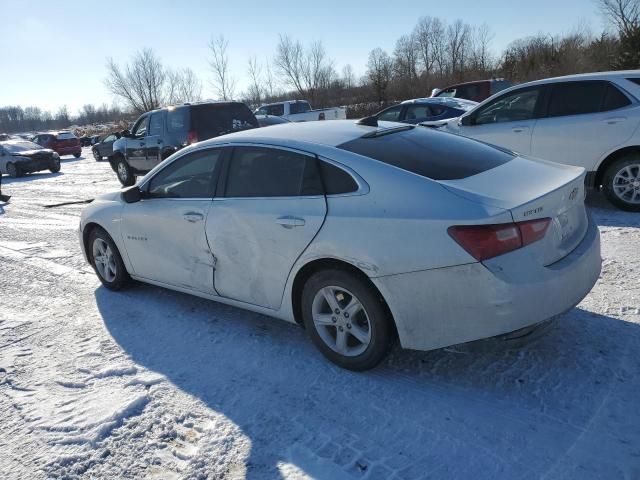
[{"x": 54, "y": 53}]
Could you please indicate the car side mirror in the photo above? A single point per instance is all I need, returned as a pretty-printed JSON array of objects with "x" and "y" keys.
[
  {"x": 126, "y": 133},
  {"x": 467, "y": 120},
  {"x": 132, "y": 194}
]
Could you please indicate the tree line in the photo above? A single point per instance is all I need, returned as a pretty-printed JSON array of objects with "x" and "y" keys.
[{"x": 433, "y": 54}]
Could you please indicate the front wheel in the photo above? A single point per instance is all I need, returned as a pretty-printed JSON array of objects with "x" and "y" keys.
[
  {"x": 77, "y": 155},
  {"x": 13, "y": 170},
  {"x": 346, "y": 319},
  {"x": 125, "y": 175},
  {"x": 96, "y": 155},
  {"x": 106, "y": 260},
  {"x": 621, "y": 183},
  {"x": 55, "y": 168}
]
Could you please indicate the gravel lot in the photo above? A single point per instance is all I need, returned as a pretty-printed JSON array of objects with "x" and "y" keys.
[{"x": 149, "y": 383}]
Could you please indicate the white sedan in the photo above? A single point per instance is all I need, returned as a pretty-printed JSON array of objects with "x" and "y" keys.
[{"x": 363, "y": 233}]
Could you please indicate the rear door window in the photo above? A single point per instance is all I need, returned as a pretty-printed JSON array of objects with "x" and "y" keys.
[
  {"x": 178, "y": 119},
  {"x": 614, "y": 99},
  {"x": 429, "y": 153},
  {"x": 391, "y": 114},
  {"x": 417, "y": 112},
  {"x": 299, "y": 107},
  {"x": 335, "y": 180},
  {"x": 271, "y": 172},
  {"x": 576, "y": 98},
  {"x": 155, "y": 124}
]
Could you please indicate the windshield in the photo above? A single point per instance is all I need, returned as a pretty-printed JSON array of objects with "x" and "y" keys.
[{"x": 21, "y": 147}]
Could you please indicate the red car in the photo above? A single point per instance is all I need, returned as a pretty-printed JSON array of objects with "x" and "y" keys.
[{"x": 63, "y": 142}]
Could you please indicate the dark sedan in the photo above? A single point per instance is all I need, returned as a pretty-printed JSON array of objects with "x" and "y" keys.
[
  {"x": 426, "y": 110},
  {"x": 104, "y": 148},
  {"x": 18, "y": 157}
]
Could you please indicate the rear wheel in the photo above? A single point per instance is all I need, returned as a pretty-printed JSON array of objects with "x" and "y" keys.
[
  {"x": 106, "y": 260},
  {"x": 125, "y": 175},
  {"x": 55, "y": 168},
  {"x": 621, "y": 182},
  {"x": 96, "y": 155},
  {"x": 346, "y": 319},
  {"x": 77, "y": 155},
  {"x": 13, "y": 170}
]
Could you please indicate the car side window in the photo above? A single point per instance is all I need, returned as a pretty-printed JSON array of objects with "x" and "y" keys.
[
  {"x": 140, "y": 128},
  {"x": 417, "y": 112},
  {"x": 390, "y": 114},
  {"x": 511, "y": 107},
  {"x": 271, "y": 172},
  {"x": 155, "y": 124},
  {"x": 109, "y": 138},
  {"x": 576, "y": 98},
  {"x": 277, "y": 110},
  {"x": 614, "y": 99},
  {"x": 335, "y": 180},
  {"x": 190, "y": 176}
]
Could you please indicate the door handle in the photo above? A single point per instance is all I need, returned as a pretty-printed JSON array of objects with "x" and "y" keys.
[
  {"x": 519, "y": 129},
  {"x": 614, "y": 120},
  {"x": 193, "y": 217},
  {"x": 290, "y": 221},
  {"x": 159, "y": 142}
]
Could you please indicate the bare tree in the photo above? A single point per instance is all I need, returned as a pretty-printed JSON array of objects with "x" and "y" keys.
[
  {"x": 406, "y": 57},
  {"x": 423, "y": 34},
  {"x": 624, "y": 14},
  {"x": 255, "y": 92},
  {"x": 290, "y": 62},
  {"x": 348, "y": 77},
  {"x": 379, "y": 69},
  {"x": 481, "y": 53},
  {"x": 141, "y": 83},
  {"x": 183, "y": 86},
  {"x": 269, "y": 81},
  {"x": 458, "y": 35},
  {"x": 223, "y": 82}
]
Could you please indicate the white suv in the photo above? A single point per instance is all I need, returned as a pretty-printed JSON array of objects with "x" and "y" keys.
[{"x": 589, "y": 120}]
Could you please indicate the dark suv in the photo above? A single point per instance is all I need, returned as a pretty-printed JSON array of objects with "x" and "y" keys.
[{"x": 159, "y": 133}]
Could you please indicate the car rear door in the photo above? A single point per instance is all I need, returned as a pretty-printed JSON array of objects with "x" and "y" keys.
[
  {"x": 272, "y": 209},
  {"x": 584, "y": 121},
  {"x": 507, "y": 121},
  {"x": 164, "y": 233}
]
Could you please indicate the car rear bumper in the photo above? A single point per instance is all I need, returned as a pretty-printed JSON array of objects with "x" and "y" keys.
[
  {"x": 447, "y": 306},
  {"x": 68, "y": 150}
]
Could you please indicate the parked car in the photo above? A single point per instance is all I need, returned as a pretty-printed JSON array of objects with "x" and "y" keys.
[
  {"x": 361, "y": 233},
  {"x": 425, "y": 110},
  {"x": 104, "y": 148},
  {"x": 476, "y": 91},
  {"x": 62, "y": 142},
  {"x": 300, "y": 111},
  {"x": 85, "y": 141},
  {"x": 18, "y": 157},
  {"x": 590, "y": 121},
  {"x": 4, "y": 136},
  {"x": 268, "y": 120},
  {"x": 159, "y": 133}
]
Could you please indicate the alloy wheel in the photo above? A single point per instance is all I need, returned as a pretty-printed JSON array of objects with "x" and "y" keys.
[
  {"x": 122, "y": 172},
  {"x": 626, "y": 184},
  {"x": 341, "y": 321},
  {"x": 104, "y": 260}
]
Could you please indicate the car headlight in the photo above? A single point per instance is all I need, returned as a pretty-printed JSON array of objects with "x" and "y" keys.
[{"x": 55, "y": 155}]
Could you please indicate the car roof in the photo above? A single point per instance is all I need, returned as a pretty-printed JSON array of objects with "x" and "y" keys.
[
  {"x": 449, "y": 101},
  {"x": 584, "y": 76},
  {"x": 330, "y": 133},
  {"x": 15, "y": 141},
  {"x": 192, "y": 104}
]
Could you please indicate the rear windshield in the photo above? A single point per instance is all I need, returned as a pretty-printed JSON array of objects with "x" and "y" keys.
[
  {"x": 430, "y": 153},
  {"x": 212, "y": 120},
  {"x": 65, "y": 135}
]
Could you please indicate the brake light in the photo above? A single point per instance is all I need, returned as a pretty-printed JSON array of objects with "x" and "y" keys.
[
  {"x": 488, "y": 241},
  {"x": 192, "y": 137}
]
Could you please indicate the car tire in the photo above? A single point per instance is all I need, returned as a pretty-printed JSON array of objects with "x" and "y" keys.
[
  {"x": 621, "y": 182},
  {"x": 55, "y": 168},
  {"x": 124, "y": 173},
  {"x": 77, "y": 155},
  {"x": 96, "y": 155},
  {"x": 106, "y": 260},
  {"x": 351, "y": 337},
  {"x": 13, "y": 170}
]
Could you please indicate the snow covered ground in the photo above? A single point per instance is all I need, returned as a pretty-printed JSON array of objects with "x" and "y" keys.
[{"x": 149, "y": 383}]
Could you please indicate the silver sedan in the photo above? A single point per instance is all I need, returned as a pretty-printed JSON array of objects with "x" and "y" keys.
[{"x": 363, "y": 233}]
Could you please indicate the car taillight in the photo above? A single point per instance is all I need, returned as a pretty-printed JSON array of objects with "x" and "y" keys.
[
  {"x": 192, "y": 137},
  {"x": 321, "y": 116},
  {"x": 488, "y": 241}
]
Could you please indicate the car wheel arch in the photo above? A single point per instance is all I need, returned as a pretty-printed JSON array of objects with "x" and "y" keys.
[
  {"x": 86, "y": 234},
  {"x": 609, "y": 160},
  {"x": 319, "y": 264}
]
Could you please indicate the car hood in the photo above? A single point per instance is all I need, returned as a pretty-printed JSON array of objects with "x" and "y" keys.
[
  {"x": 33, "y": 153},
  {"x": 109, "y": 197}
]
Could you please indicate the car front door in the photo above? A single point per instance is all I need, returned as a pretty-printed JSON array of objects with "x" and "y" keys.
[
  {"x": 136, "y": 145},
  {"x": 272, "y": 209},
  {"x": 154, "y": 139},
  {"x": 507, "y": 121},
  {"x": 584, "y": 121},
  {"x": 164, "y": 233}
]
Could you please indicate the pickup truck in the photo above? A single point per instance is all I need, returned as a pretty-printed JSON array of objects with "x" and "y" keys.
[{"x": 300, "y": 111}]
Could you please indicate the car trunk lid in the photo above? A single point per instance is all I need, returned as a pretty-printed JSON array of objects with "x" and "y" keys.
[{"x": 533, "y": 189}]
